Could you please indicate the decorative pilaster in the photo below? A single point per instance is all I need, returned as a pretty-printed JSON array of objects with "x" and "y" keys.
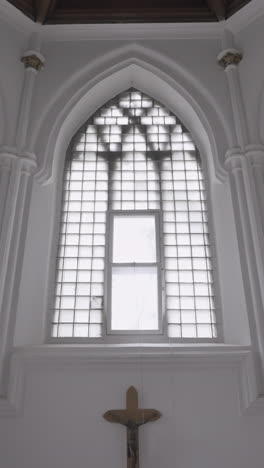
[
  {"x": 241, "y": 163},
  {"x": 230, "y": 59},
  {"x": 17, "y": 167},
  {"x": 250, "y": 241},
  {"x": 33, "y": 62},
  {"x": 255, "y": 158},
  {"x": 15, "y": 188},
  {"x": 236, "y": 165}
]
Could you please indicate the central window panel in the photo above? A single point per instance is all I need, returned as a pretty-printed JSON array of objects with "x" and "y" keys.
[{"x": 134, "y": 273}]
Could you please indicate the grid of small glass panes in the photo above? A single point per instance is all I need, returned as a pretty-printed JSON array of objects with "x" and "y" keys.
[{"x": 133, "y": 154}]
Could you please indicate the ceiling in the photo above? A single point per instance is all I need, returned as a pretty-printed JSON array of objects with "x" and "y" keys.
[{"x": 130, "y": 11}]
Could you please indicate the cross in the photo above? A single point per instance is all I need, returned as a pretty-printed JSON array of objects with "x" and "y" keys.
[{"x": 132, "y": 417}]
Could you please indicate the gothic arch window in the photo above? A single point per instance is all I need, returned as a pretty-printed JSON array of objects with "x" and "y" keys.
[{"x": 134, "y": 248}]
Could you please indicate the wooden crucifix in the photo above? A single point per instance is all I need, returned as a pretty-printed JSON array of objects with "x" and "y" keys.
[{"x": 132, "y": 417}]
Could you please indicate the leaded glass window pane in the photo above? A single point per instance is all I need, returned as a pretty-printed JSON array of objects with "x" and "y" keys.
[{"x": 134, "y": 154}]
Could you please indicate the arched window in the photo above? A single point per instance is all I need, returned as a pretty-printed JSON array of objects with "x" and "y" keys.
[{"x": 134, "y": 253}]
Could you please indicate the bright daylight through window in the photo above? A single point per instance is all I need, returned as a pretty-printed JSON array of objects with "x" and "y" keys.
[
  {"x": 134, "y": 273},
  {"x": 134, "y": 254}
]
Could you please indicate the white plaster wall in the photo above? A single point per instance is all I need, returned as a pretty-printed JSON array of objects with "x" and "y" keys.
[
  {"x": 34, "y": 301},
  {"x": 192, "y": 68},
  {"x": 62, "y": 425},
  {"x": 232, "y": 296},
  {"x": 251, "y": 69},
  {"x": 13, "y": 45}
]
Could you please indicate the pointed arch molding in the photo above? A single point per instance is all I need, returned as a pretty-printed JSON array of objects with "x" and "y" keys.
[{"x": 148, "y": 71}]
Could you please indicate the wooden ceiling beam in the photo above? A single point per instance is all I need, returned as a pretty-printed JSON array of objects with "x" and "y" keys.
[
  {"x": 218, "y": 8},
  {"x": 44, "y": 8}
]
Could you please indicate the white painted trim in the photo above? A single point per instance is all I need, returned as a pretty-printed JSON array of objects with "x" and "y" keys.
[
  {"x": 110, "y": 74},
  {"x": 30, "y": 52},
  {"x": 161, "y": 31},
  {"x": 11, "y": 405},
  {"x": 247, "y": 382},
  {"x": 229, "y": 50},
  {"x": 239, "y": 359},
  {"x": 242, "y": 189},
  {"x": 237, "y": 103},
  {"x": 13, "y": 207}
]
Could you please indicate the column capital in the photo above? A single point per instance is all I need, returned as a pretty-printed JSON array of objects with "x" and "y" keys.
[
  {"x": 29, "y": 163},
  {"x": 229, "y": 58},
  {"x": 255, "y": 155},
  {"x": 9, "y": 157},
  {"x": 234, "y": 159},
  {"x": 33, "y": 60}
]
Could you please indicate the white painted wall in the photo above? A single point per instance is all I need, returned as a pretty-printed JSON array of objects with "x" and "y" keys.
[
  {"x": 59, "y": 396},
  {"x": 80, "y": 77},
  {"x": 62, "y": 424},
  {"x": 13, "y": 45}
]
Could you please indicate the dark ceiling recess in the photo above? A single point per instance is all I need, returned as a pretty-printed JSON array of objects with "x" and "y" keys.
[{"x": 128, "y": 11}]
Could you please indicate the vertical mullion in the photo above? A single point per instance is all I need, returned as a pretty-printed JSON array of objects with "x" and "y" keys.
[
  {"x": 79, "y": 234},
  {"x": 147, "y": 174},
  {"x": 190, "y": 238},
  {"x": 108, "y": 242},
  {"x": 110, "y": 259},
  {"x": 160, "y": 180},
  {"x": 159, "y": 264},
  {"x": 121, "y": 179},
  {"x": 210, "y": 298},
  {"x": 176, "y": 234},
  {"x": 66, "y": 190},
  {"x": 134, "y": 178},
  {"x": 109, "y": 180},
  {"x": 92, "y": 242}
]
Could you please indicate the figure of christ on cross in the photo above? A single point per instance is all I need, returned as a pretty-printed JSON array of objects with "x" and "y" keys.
[{"x": 132, "y": 417}]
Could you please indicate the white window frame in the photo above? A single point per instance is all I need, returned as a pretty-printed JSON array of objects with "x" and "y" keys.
[{"x": 109, "y": 265}]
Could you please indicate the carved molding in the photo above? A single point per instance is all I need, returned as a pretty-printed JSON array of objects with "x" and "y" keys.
[
  {"x": 33, "y": 60},
  {"x": 29, "y": 163},
  {"x": 234, "y": 159},
  {"x": 254, "y": 154},
  {"x": 130, "y": 61},
  {"x": 9, "y": 156},
  {"x": 238, "y": 359},
  {"x": 6, "y": 159},
  {"x": 229, "y": 57}
]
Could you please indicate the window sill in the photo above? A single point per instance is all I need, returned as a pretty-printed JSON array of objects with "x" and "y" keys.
[
  {"x": 109, "y": 351},
  {"x": 192, "y": 357}
]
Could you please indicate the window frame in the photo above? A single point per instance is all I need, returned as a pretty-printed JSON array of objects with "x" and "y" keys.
[
  {"x": 109, "y": 265},
  {"x": 108, "y": 339}
]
